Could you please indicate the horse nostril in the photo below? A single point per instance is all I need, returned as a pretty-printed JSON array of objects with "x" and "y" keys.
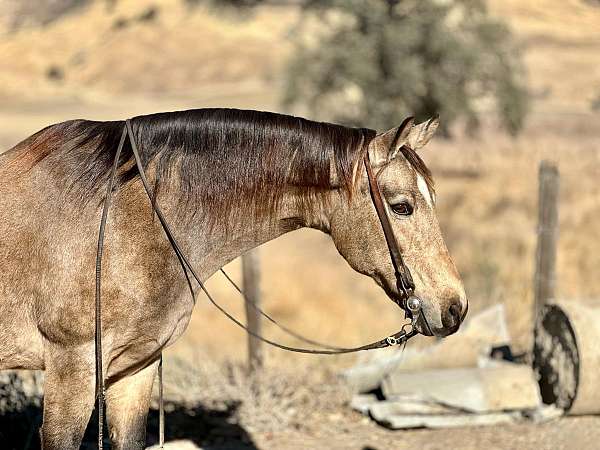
[
  {"x": 453, "y": 317},
  {"x": 455, "y": 310}
]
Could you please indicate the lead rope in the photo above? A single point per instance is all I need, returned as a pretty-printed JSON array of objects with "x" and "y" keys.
[
  {"x": 98, "y": 312},
  {"x": 100, "y": 391},
  {"x": 161, "y": 405},
  {"x": 283, "y": 328}
]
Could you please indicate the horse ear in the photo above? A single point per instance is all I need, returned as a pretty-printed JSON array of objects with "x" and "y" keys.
[
  {"x": 422, "y": 133},
  {"x": 390, "y": 142}
]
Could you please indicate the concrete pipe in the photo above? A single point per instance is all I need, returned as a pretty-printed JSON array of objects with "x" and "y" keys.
[{"x": 567, "y": 356}]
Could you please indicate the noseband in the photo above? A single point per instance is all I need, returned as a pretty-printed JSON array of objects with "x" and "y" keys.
[{"x": 404, "y": 283}]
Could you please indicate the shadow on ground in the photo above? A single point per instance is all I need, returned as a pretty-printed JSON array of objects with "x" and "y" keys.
[
  {"x": 19, "y": 428},
  {"x": 208, "y": 429}
]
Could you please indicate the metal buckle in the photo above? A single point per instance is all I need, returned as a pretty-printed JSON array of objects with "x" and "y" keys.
[
  {"x": 391, "y": 341},
  {"x": 413, "y": 304}
]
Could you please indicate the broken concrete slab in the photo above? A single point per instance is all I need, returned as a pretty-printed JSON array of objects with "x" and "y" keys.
[
  {"x": 499, "y": 387},
  {"x": 464, "y": 349},
  {"x": 448, "y": 421},
  {"x": 413, "y": 405},
  {"x": 362, "y": 402},
  {"x": 545, "y": 413}
]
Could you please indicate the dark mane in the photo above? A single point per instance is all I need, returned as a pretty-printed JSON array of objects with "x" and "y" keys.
[{"x": 222, "y": 156}]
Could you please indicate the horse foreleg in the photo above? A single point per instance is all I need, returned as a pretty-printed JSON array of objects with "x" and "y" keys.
[
  {"x": 68, "y": 397},
  {"x": 127, "y": 403}
]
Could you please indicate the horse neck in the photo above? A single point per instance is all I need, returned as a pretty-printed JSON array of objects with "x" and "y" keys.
[{"x": 210, "y": 247}]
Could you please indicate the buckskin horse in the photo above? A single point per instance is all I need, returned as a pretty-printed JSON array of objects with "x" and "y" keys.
[{"x": 228, "y": 180}]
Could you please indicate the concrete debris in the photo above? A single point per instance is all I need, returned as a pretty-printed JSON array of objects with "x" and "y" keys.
[
  {"x": 500, "y": 387},
  {"x": 362, "y": 402},
  {"x": 453, "y": 383},
  {"x": 409, "y": 405},
  {"x": 498, "y": 393},
  {"x": 546, "y": 413},
  {"x": 448, "y": 421}
]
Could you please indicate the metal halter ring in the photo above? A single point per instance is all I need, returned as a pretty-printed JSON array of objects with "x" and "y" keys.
[{"x": 410, "y": 325}]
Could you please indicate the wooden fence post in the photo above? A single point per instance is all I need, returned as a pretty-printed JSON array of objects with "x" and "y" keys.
[
  {"x": 251, "y": 287},
  {"x": 545, "y": 270}
]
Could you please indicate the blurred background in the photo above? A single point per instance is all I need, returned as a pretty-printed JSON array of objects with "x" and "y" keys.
[{"x": 514, "y": 82}]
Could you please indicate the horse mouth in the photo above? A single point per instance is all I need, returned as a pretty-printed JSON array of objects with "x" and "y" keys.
[{"x": 423, "y": 326}]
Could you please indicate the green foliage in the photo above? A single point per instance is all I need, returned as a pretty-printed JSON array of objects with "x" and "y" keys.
[{"x": 373, "y": 62}]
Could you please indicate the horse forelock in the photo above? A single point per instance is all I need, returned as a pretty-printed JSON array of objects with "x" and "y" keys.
[{"x": 419, "y": 166}]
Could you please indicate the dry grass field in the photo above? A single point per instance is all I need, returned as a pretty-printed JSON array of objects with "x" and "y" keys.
[{"x": 113, "y": 64}]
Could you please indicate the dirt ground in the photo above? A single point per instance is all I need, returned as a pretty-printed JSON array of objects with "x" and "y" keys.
[
  {"x": 303, "y": 407},
  {"x": 354, "y": 432},
  {"x": 360, "y": 434}
]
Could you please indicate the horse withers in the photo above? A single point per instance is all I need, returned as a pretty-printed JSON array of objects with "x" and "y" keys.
[{"x": 228, "y": 180}]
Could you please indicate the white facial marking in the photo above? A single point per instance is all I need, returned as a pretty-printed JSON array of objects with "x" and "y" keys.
[{"x": 422, "y": 184}]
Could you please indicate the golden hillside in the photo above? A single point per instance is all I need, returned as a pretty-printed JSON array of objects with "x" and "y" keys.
[
  {"x": 162, "y": 47},
  {"x": 144, "y": 47}
]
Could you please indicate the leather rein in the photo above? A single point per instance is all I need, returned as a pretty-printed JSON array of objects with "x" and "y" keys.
[{"x": 404, "y": 282}]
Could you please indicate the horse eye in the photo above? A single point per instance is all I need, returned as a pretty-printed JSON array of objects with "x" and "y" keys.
[{"x": 402, "y": 208}]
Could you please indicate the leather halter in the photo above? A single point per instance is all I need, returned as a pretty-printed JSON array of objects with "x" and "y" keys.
[{"x": 404, "y": 282}]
